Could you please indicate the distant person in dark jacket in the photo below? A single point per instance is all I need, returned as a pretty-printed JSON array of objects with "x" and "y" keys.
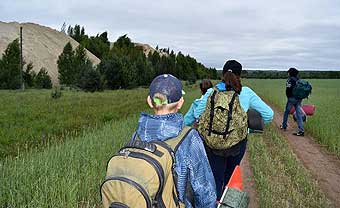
[{"x": 293, "y": 101}]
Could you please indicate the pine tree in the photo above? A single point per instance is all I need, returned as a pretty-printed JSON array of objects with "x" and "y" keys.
[
  {"x": 43, "y": 80},
  {"x": 10, "y": 67},
  {"x": 29, "y": 75},
  {"x": 99, "y": 45},
  {"x": 111, "y": 70},
  {"x": 66, "y": 65}
]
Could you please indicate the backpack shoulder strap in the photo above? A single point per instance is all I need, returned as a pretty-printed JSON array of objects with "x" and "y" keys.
[
  {"x": 230, "y": 113},
  {"x": 212, "y": 107},
  {"x": 174, "y": 143},
  {"x": 134, "y": 136}
]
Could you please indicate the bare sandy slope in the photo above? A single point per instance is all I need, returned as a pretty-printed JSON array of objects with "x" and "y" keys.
[
  {"x": 41, "y": 45},
  {"x": 147, "y": 49}
]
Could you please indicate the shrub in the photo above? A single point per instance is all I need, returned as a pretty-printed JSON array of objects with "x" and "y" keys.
[
  {"x": 43, "y": 80},
  {"x": 56, "y": 93}
]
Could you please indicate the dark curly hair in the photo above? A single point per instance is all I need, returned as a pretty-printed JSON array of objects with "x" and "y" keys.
[{"x": 205, "y": 85}]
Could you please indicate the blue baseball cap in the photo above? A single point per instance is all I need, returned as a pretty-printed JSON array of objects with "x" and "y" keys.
[{"x": 167, "y": 85}]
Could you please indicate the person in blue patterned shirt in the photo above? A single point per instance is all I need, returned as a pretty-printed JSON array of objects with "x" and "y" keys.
[{"x": 192, "y": 165}]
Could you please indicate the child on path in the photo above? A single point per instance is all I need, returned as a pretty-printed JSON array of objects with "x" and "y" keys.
[{"x": 192, "y": 165}]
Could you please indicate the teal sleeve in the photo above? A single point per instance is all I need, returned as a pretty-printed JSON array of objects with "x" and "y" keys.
[
  {"x": 189, "y": 116},
  {"x": 202, "y": 104},
  {"x": 260, "y": 106}
]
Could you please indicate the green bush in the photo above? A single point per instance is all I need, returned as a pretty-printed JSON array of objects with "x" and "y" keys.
[
  {"x": 43, "y": 80},
  {"x": 56, "y": 93}
]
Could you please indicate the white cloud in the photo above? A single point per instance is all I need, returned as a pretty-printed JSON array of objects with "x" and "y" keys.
[{"x": 259, "y": 33}]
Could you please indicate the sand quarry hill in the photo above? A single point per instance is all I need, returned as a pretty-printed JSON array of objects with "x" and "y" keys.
[
  {"x": 41, "y": 45},
  {"x": 147, "y": 49}
]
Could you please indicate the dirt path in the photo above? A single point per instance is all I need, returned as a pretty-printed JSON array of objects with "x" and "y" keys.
[
  {"x": 324, "y": 167},
  {"x": 249, "y": 182}
]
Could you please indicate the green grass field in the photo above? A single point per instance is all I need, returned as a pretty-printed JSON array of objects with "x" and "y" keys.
[
  {"x": 281, "y": 180},
  {"x": 69, "y": 173},
  {"x": 64, "y": 175},
  {"x": 28, "y": 119},
  {"x": 324, "y": 124},
  {"x": 32, "y": 118}
]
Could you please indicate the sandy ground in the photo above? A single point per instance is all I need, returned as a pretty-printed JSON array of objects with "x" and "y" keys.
[
  {"x": 41, "y": 45},
  {"x": 147, "y": 49}
]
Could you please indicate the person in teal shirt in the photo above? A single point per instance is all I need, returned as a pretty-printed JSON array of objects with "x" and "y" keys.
[
  {"x": 223, "y": 167},
  {"x": 248, "y": 100}
]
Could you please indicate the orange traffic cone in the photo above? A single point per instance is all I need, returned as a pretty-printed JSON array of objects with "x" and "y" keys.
[{"x": 235, "y": 180}]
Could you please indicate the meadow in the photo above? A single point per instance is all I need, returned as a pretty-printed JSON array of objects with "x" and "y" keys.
[
  {"x": 69, "y": 173},
  {"x": 281, "y": 179},
  {"x": 324, "y": 124},
  {"x": 32, "y": 118}
]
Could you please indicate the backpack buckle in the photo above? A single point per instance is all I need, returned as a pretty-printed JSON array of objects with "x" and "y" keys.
[
  {"x": 154, "y": 203},
  {"x": 126, "y": 153}
]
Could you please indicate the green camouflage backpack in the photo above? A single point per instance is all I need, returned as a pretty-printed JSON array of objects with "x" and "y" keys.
[
  {"x": 223, "y": 123},
  {"x": 142, "y": 175},
  {"x": 302, "y": 89}
]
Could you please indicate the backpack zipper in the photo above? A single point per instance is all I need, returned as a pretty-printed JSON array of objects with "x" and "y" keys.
[
  {"x": 118, "y": 205},
  {"x": 132, "y": 183},
  {"x": 155, "y": 165},
  {"x": 172, "y": 153},
  {"x": 174, "y": 175}
]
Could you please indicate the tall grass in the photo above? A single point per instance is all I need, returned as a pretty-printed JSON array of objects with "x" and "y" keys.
[
  {"x": 65, "y": 175},
  {"x": 31, "y": 118},
  {"x": 68, "y": 173},
  {"x": 324, "y": 124},
  {"x": 281, "y": 180}
]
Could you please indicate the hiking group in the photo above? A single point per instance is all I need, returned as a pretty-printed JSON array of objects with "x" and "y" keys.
[{"x": 185, "y": 161}]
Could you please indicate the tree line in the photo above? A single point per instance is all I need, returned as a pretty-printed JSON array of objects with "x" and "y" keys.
[
  {"x": 273, "y": 74},
  {"x": 123, "y": 65},
  {"x": 10, "y": 76}
]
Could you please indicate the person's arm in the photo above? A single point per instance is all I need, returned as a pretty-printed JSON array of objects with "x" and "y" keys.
[
  {"x": 200, "y": 175},
  {"x": 202, "y": 104},
  {"x": 189, "y": 118},
  {"x": 290, "y": 84},
  {"x": 260, "y": 106}
]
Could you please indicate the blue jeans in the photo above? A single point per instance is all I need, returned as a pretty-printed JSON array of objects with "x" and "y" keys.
[
  {"x": 297, "y": 105},
  {"x": 223, "y": 167}
]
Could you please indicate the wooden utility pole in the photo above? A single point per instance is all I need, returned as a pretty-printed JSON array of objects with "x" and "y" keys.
[{"x": 21, "y": 61}]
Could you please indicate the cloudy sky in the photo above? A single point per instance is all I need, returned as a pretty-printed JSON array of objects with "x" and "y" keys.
[{"x": 259, "y": 33}]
